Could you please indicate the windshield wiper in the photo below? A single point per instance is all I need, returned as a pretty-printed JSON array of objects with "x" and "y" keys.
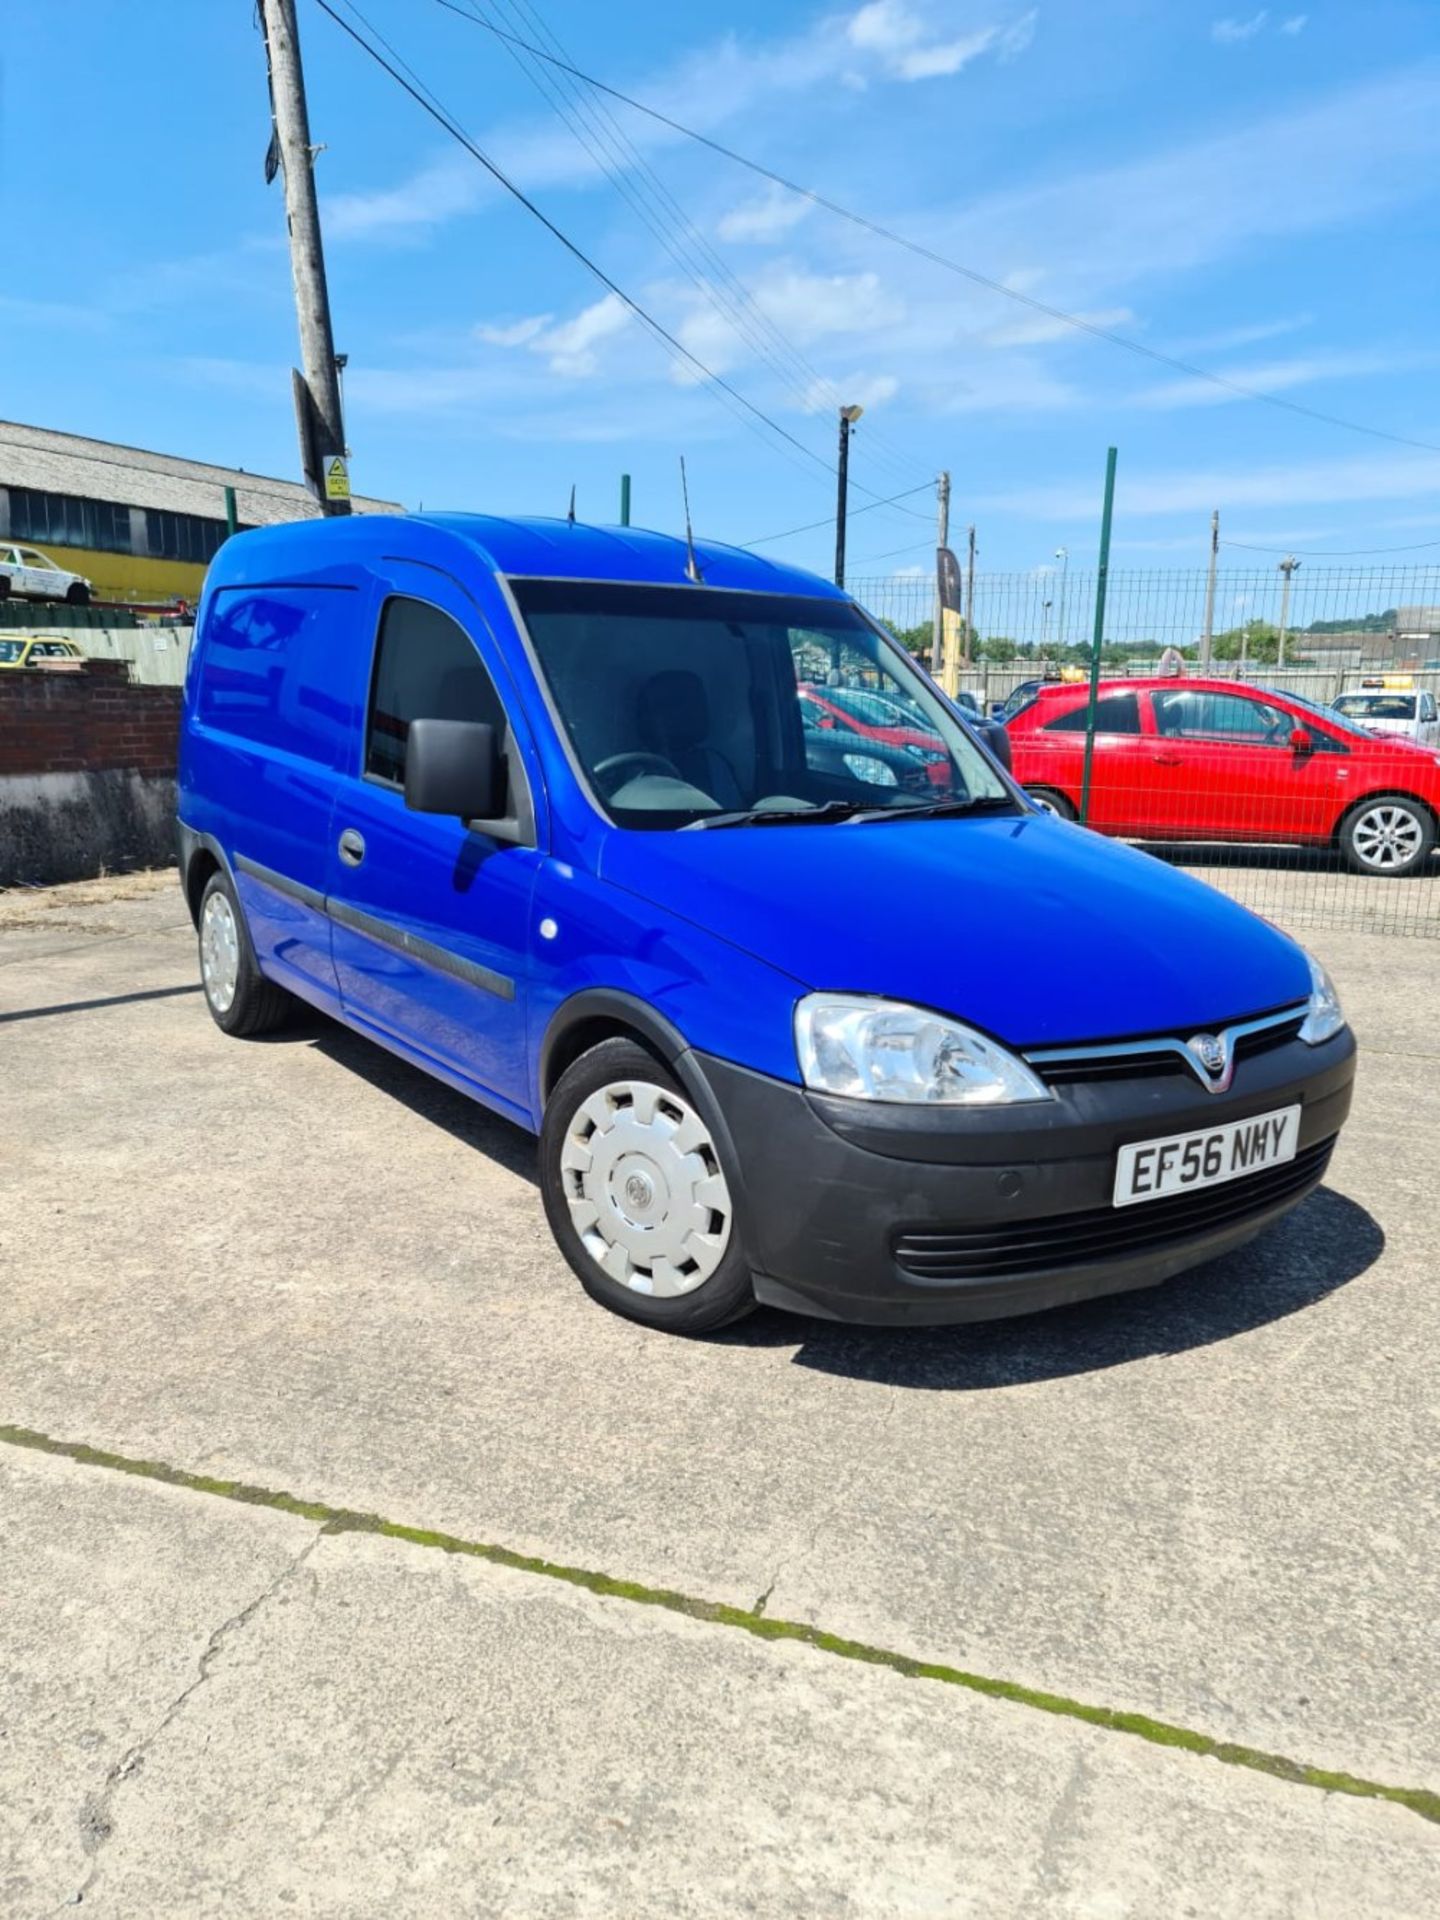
[
  {"x": 943, "y": 809},
  {"x": 783, "y": 816}
]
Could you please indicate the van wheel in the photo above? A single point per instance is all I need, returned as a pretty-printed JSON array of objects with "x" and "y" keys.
[
  {"x": 1050, "y": 801},
  {"x": 637, "y": 1195},
  {"x": 240, "y": 998},
  {"x": 1388, "y": 834}
]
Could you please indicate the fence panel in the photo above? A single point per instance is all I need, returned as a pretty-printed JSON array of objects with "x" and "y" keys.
[{"x": 1330, "y": 824}]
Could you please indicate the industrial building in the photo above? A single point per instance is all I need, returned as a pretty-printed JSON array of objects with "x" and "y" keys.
[{"x": 141, "y": 526}]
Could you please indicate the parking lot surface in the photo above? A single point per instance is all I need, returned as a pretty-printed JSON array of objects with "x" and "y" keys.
[{"x": 1208, "y": 1511}]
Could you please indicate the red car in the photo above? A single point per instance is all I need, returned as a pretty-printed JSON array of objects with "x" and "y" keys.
[
  {"x": 874, "y": 717},
  {"x": 1212, "y": 760}
]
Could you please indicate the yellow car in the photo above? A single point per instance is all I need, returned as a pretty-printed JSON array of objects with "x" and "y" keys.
[{"x": 35, "y": 650}]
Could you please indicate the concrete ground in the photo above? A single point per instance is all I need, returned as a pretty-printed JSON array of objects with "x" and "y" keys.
[{"x": 637, "y": 1630}]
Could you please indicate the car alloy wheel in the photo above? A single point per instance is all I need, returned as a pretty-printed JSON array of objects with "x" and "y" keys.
[
  {"x": 1387, "y": 836},
  {"x": 646, "y": 1194},
  {"x": 219, "y": 951}
]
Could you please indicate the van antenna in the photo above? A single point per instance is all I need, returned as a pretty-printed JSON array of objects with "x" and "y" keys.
[
  {"x": 692, "y": 565},
  {"x": 571, "y": 515}
]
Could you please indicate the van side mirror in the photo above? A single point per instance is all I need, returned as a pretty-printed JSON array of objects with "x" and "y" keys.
[
  {"x": 1302, "y": 740},
  {"x": 997, "y": 739},
  {"x": 454, "y": 767}
]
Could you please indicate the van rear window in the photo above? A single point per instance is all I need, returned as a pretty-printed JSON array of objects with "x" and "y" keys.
[{"x": 268, "y": 668}]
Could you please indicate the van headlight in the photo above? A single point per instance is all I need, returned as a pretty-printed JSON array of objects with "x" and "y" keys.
[
  {"x": 882, "y": 1050},
  {"x": 1323, "y": 1017}
]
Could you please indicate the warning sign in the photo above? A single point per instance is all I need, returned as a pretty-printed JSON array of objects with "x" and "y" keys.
[{"x": 337, "y": 479}]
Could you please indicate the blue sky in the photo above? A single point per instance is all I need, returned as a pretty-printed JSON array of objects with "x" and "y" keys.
[{"x": 1252, "y": 190}]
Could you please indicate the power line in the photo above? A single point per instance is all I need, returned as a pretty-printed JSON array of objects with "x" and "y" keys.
[
  {"x": 666, "y": 218},
  {"x": 768, "y": 539},
  {"x": 676, "y": 348},
  {"x": 954, "y": 266},
  {"x": 893, "y": 553},
  {"x": 1335, "y": 553}
]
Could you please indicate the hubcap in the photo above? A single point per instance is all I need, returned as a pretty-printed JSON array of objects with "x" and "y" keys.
[
  {"x": 1045, "y": 804},
  {"x": 219, "y": 952},
  {"x": 645, "y": 1190},
  {"x": 1387, "y": 837}
]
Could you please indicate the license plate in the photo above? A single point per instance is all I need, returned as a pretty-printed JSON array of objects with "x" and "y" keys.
[{"x": 1184, "y": 1161}]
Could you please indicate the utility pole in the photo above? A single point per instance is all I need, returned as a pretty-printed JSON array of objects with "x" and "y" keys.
[
  {"x": 322, "y": 426},
  {"x": 969, "y": 636},
  {"x": 1287, "y": 567},
  {"x": 1207, "y": 638},
  {"x": 939, "y": 649},
  {"x": 848, "y": 417}
]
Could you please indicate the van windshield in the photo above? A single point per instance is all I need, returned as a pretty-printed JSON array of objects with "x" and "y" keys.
[{"x": 685, "y": 705}]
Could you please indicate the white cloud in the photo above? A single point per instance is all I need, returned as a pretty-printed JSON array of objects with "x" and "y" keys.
[
  {"x": 806, "y": 307},
  {"x": 1398, "y": 476},
  {"x": 437, "y": 192},
  {"x": 774, "y": 213},
  {"x": 1279, "y": 376},
  {"x": 1295, "y": 24},
  {"x": 568, "y": 347},
  {"x": 883, "y": 40},
  {"x": 518, "y": 333},
  {"x": 1036, "y": 329},
  {"x": 908, "y": 50},
  {"x": 1233, "y": 33},
  {"x": 868, "y": 390},
  {"x": 1226, "y": 339}
]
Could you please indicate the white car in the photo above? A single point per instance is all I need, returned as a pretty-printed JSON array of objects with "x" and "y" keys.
[
  {"x": 28, "y": 574},
  {"x": 1404, "y": 711}
]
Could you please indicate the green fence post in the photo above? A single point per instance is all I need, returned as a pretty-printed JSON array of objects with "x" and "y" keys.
[
  {"x": 232, "y": 519},
  {"x": 624, "y": 499},
  {"x": 1100, "y": 579}
]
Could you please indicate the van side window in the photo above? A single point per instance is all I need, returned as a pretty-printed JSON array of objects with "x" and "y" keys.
[{"x": 426, "y": 668}]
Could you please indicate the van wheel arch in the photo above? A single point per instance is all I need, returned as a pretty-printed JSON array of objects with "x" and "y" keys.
[
  {"x": 202, "y": 864},
  {"x": 604, "y": 1013}
]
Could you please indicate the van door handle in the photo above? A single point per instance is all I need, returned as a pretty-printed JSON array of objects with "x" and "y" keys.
[
  {"x": 1166, "y": 759},
  {"x": 352, "y": 847}
]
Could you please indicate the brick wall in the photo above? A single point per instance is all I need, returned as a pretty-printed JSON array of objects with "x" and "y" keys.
[{"x": 92, "y": 721}]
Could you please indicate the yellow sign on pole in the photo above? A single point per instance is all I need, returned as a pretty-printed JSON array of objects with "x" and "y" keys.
[{"x": 337, "y": 479}]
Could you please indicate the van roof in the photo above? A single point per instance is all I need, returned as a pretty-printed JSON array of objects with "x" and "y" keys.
[{"x": 538, "y": 548}]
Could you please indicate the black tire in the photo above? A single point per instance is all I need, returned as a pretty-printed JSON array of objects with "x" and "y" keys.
[
  {"x": 5, "y": 584},
  {"x": 726, "y": 1293},
  {"x": 1388, "y": 836},
  {"x": 1053, "y": 801},
  {"x": 77, "y": 594},
  {"x": 256, "y": 1005}
]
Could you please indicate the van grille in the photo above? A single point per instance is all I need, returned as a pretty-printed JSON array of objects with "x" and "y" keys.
[
  {"x": 1101, "y": 1233},
  {"x": 1164, "y": 1061}
]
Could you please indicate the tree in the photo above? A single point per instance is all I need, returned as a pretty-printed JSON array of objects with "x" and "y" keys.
[
  {"x": 916, "y": 640},
  {"x": 1259, "y": 639}
]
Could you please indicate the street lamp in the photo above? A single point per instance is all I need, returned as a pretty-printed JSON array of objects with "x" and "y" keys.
[
  {"x": 848, "y": 417},
  {"x": 1062, "y": 554},
  {"x": 1287, "y": 567}
]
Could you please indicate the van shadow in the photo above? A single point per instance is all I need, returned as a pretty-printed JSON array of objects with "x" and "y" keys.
[
  {"x": 1327, "y": 1242},
  {"x": 498, "y": 1139}
]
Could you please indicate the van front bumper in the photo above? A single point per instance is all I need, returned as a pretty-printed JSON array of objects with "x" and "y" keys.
[{"x": 888, "y": 1215}]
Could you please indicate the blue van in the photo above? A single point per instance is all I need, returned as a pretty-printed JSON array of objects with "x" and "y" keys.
[{"x": 800, "y": 1015}]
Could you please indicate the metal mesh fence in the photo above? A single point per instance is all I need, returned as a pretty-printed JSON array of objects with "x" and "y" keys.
[{"x": 1294, "y": 760}]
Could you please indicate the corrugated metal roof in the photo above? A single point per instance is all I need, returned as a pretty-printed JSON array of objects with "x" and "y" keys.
[{"x": 132, "y": 477}]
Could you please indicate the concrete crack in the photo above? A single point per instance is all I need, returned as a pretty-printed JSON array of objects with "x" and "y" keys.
[
  {"x": 1423, "y": 1801},
  {"x": 96, "y": 1815}
]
